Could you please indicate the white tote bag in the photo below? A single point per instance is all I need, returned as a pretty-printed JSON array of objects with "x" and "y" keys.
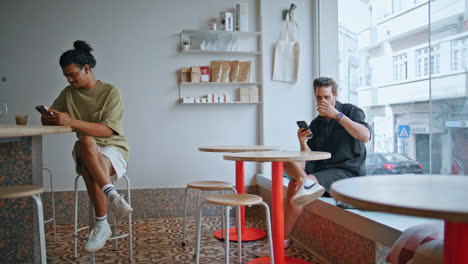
[{"x": 286, "y": 64}]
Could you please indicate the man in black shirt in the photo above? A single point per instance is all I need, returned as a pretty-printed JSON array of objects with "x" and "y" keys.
[{"x": 339, "y": 129}]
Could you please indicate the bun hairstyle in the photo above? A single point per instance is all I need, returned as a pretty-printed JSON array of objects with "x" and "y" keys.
[{"x": 80, "y": 55}]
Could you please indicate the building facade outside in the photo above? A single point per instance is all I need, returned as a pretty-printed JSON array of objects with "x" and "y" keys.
[{"x": 405, "y": 63}]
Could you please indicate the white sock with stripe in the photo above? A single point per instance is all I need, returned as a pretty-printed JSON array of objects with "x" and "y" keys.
[
  {"x": 101, "y": 220},
  {"x": 110, "y": 191}
]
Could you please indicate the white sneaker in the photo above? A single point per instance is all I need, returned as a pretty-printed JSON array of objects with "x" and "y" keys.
[
  {"x": 264, "y": 251},
  {"x": 98, "y": 237},
  {"x": 120, "y": 208},
  {"x": 308, "y": 192}
]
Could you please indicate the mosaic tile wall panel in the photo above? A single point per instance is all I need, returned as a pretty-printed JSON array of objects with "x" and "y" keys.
[
  {"x": 381, "y": 253},
  {"x": 147, "y": 204},
  {"x": 16, "y": 215}
]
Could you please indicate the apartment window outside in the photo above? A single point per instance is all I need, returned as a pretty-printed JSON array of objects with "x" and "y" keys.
[
  {"x": 459, "y": 54},
  {"x": 400, "y": 64},
  {"x": 435, "y": 59},
  {"x": 397, "y": 6},
  {"x": 422, "y": 61},
  {"x": 400, "y": 5}
]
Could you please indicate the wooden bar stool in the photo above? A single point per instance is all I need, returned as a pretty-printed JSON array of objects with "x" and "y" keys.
[
  {"x": 229, "y": 201},
  {"x": 34, "y": 192},
  {"x": 52, "y": 198},
  {"x": 203, "y": 186},
  {"x": 113, "y": 224}
]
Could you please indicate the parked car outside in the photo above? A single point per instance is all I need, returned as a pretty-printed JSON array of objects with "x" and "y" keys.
[{"x": 391, "y": 163}]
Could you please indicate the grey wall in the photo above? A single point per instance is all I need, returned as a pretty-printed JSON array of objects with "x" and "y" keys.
[{"x": 136, "y": 46}]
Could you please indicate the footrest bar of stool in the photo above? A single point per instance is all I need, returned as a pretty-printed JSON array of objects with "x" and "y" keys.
[
  {"x": 127, "y": 234},
  {"x": 118, "y": 237}
]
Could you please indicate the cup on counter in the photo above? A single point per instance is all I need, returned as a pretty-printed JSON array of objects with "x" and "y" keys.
[{"x": 21, "y": 120}]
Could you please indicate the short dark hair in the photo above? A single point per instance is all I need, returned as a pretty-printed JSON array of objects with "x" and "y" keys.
[
  {"x": 80, "y": 55},
  {"x": 325, "y": 82}
]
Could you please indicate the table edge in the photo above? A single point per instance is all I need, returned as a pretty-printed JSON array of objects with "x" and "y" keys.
[
  {"x": 205, "y": 149},
  {"x": 15, "y": 132},
  {"x": 388, "y": 208},
  {"x": 276, "y": 159}
]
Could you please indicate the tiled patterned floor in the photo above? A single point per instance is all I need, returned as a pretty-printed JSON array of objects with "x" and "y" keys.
[{"x": 158, "y": 241}]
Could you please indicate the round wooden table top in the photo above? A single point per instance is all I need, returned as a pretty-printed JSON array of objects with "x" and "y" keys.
[
  {"x": 237, "y": 148},
  {"x": 265, "y": 156},
  {"x": 434, "y": 196},
  {"x": 19, "y": 191}
]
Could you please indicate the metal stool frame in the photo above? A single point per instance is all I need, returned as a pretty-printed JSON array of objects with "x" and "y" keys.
[
  {"x": 113, "y": 225},
  {"x": 184, "y": 220},
  {"x": 52, "y": 194},
  {"x": 226, "y": 231}
]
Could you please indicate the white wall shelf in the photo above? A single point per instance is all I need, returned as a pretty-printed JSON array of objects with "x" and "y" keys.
[
  {"x": 226, "y": 44},
  {"x": 218, "y": 83},
  {"x": 237, "y": 102},
  {"x": 195, "y": 51},
  {"x": 219, "y": 32}
]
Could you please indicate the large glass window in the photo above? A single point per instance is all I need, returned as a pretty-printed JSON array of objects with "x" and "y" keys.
[{"x": 410, "y": 79}]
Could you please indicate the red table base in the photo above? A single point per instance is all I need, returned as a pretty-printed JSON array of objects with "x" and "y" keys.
[
  {"x": 248, "y": 234},
  {"x": 287, "y": 260}
]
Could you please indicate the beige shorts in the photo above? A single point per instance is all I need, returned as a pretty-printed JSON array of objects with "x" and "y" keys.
[{"x": 115, "y": 157}]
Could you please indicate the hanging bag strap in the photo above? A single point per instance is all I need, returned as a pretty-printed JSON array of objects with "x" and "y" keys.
[{"x": 290, "y": 29}]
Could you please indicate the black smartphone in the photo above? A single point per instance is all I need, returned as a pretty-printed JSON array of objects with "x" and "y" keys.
[
  {"x": 304, "y": 126},
  {"x": 43, "y": 110}
]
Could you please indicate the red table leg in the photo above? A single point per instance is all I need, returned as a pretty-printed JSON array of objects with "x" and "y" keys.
[
  {"x": 277, "y": 204},
  {"x": 248, "y": 233},
  {"x": 277, "y": 218},
  {"x": 455, "y": 243}
]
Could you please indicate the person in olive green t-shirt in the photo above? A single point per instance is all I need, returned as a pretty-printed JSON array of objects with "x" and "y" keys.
[{"x": 94, "y": 109}]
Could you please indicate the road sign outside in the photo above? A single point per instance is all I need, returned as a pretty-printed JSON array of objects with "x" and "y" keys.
[{"x": 403, "y": 131}]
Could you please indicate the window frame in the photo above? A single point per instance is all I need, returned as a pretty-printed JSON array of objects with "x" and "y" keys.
[{"x": 400, "y": 67}]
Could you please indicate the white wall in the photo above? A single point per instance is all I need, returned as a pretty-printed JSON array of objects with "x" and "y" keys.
[
  {"x": 136, "y": 46},
  {"x": 328, "y": 38},
  {"x": 286, "y": 103}
]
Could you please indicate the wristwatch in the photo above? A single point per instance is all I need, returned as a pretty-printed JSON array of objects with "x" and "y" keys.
[{"x": 339, "y": 116}]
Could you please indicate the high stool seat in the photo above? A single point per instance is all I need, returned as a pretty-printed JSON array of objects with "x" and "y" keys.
[
  {"x": 113, "y": 225},
  {"x": 229, "y": 201},
  {"x": 235, "y": 199},
  {"x": 203, "y": 186},
  {"x": 210, "y": 185},
  {"x": 34, "y": 192}
]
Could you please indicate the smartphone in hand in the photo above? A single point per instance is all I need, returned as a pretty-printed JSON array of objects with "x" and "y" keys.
[
  {"x": 43, "y": 110},
  {"x": 304, "y": 126}
]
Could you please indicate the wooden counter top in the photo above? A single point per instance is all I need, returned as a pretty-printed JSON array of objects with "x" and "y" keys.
[{"x": 10, "y": 131}]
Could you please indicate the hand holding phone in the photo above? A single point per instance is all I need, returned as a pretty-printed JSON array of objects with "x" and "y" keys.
[
  {"x": 304, "y": 126},
  {"x": 43, "y": 110}
]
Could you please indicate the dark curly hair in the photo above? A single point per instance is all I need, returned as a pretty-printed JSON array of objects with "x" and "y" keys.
[
  {"x": 325, "y": 82},
  {"x": 80, "y": 55}
]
